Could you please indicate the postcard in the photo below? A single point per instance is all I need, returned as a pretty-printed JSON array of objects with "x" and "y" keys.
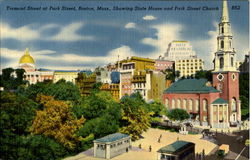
[{"x": 124, "y": 80}]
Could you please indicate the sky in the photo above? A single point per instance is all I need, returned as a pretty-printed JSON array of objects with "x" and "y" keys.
[{"x": 85, "y": 39}]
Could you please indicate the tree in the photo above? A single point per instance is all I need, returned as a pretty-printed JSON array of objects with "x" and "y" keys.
[
  {"x": 177, "y": 114},
  {"x": 9, "y": 81},
  {"x": 60, "y": 90},
  {"x": 94, "y": 105},
  {"x": 16, "y": 115},
  {"x": 40, "y": 147},
  {"x": 57, "y": 121},
  {"x": 171, "y": 74},
  {"x": 102, "y": 113},
  {"x": 135, "y": 118},
  {"x": 244, "y": 94},
  {"x": 156, "y": 107},
  {"x": 204, "y": 74}
]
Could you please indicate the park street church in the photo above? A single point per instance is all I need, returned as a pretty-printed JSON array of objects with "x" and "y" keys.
[{"x": 216, "y": 105}]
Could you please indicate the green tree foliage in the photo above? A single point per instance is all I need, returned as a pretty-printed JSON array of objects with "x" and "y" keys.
[
  {"x": 40, "y": 147},
  {"x": 204, "y": 74},
  {"x": 95, "y": 104},
  {"x": 60, "y": 90},
  {"x": 102, "y": 113},
  {"x": 177, "y": 114},
  {"x": 57, "y": 121},
  {"x": 135, "y": 117},
  {"x": 16, "y": 115},
  {"x": 244, "y": 94},
  {"x": 157, "y": 107},
  {"x": 9, "y": 81},
  {"x": 171, "y": 74}
]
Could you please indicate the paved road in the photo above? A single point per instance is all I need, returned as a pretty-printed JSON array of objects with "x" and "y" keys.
[{"x": 236, "y": 146}]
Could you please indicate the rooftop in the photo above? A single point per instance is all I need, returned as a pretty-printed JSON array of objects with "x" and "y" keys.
[
  {"x": 175, "y": 147},
  {"x": 190, "y": 86},
  {"x": 219, "y": 101},
  {"x": 112, "y": 137}
]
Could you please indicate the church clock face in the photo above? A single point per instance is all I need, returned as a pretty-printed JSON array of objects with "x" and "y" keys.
[{"x": 220, "y": 77}]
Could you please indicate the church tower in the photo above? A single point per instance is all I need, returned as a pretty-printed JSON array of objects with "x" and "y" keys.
[{"x": 225, "y": 74}]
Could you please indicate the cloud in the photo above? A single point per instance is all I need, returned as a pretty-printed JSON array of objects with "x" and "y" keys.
[
  {"x": 165, "y": 33},
  {"x": 206, "y": 47},
  {"x": 130, "y": 25},
  {"x": 51, "y": 58},
  {"x": 13, "y": 56},
  {"x": 68, "y": 33},
  {"x": 23, "y": 33},
  {"x": 149, "y": 17},
  {"x": 123, "y": 52}
]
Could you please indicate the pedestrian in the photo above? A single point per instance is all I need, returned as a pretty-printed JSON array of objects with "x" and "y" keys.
[
  {"x": 150, "y": 148},
  {"x": 159, "y": 140},
  {"x": 177, "y": 138},
  {"x": 140, "y": 146},
  {"x": 160, "y": 135}
]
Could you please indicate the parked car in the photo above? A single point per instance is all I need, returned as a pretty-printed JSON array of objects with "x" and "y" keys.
[{"x": 223, "y": 150}]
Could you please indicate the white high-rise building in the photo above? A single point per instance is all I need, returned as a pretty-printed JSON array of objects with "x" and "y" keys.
[{"x": 179, "y": 50}]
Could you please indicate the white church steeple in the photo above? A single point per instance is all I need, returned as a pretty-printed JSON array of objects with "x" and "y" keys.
[{"x": 225, "y": 54}]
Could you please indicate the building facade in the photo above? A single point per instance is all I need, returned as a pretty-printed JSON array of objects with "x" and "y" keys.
[
  {"x": 225, "y": 74},
  {"x": 216, "y": 105},
  {"x": 179, "y": 150},
  {"x": 67, "y": 75},
  {"x": 188, "y": 67},
  {"x": 112, "y": 145},
  {"x": 162, "y": 64},
  {"x": 27, "y": 63},
  {"x": 178, "y": 50},
  {"x": 113, "y": 89},
  {"x": 140, "y": 63},
  {"x": 244, "y": 67},
  {"x": 103, "y": 75},
  {"x": 85, "y": 82}
]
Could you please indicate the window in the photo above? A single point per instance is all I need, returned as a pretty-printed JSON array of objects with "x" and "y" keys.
[
  {"x": 221, "y": 62},
  {"x": 184, "y": 104},
  {"x": 222, "y": 29},
  {"x": 197, "y": 105},
  {"x": 178, "y": 103},
  {"x": 233, "y": 105},
  {"x": 205, "y": 105},
  {"x": 167, "y": 103},
  {"x": 222, "y": 44},
  {"x": 190, "y": 106},
  {"x": 173, "y": 104},
  {"x": 232, "y": 61}
]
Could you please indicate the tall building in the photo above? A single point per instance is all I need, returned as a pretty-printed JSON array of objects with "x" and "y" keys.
[
  {"x": 127, "y": 69},
  {"x": 216, "y": 105},
  {"x": 225, "y": 74},
  {"x": 139, "y": 63},
  {"x": 188, "y": 67},
  {"x": 103, "y": 75},
  {"x": 178, "y": 50}
]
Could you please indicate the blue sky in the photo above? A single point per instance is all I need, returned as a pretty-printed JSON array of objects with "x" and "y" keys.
[{"x": 87, "y": 39}]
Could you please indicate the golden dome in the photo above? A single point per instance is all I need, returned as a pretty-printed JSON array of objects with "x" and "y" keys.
[{"x": 26, "y": 58}]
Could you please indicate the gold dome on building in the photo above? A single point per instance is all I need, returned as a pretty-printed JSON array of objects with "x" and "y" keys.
[{"x": 26, "y": 58}]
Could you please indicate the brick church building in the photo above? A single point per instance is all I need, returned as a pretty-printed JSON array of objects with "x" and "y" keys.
[{"x": 216, "y": 105}]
